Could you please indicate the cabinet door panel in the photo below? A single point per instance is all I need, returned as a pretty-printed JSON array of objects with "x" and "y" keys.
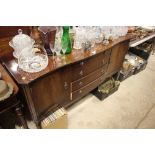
[
  {"x": 117, "y": 57},
  {"x": 51, "y": 90}
]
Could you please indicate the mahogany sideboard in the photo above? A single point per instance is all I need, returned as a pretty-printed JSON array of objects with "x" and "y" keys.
[{"x": 64, "y": 81}]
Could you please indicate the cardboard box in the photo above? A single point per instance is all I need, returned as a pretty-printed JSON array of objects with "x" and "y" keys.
[{"x": 57, "y": 120}]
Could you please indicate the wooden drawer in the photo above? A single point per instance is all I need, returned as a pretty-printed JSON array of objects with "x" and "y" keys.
[
  {"x": 86, "y": 89},
  {"x": 87, "y": 66},
  {"x": 87, "y": 79}
]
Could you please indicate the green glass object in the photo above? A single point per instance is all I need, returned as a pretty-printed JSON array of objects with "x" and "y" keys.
[{"x": 65, "y": 40}]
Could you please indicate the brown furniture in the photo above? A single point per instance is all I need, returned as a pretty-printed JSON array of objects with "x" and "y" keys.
[
  {"x": 65, "y": 81},
  {"x": 12, "y": 101},
  {"x": 6, "y": 34}
]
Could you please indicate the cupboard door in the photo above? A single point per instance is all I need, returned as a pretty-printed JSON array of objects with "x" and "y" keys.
[
  {"x": 117, "y": 57},
  {"x": 51, "y": 91}
]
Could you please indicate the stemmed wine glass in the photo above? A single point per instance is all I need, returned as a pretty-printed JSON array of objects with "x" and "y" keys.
[
  {"x": 64, "y": 48},
  {"x": 52, "y": 48}
]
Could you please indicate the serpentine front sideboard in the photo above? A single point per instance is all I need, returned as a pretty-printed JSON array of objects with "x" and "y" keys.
[{"x": 65, "y": 81}]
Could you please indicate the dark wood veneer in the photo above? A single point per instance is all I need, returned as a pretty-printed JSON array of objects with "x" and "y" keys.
[{"x": 58, "y": 84}]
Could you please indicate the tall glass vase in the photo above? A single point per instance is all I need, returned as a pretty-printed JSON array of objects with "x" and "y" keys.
[{"x": 66, "y": 39}]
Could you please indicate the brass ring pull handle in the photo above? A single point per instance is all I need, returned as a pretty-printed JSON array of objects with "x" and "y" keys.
[
  {"x": 102, "y": 71},
  {"x": 80, "y": 83},
  {"x": 80, "y": 91},
  {"x": 65, "y": 85},
  {"x": 81, "y": 73},
  {"x": 102, "y": 78}
]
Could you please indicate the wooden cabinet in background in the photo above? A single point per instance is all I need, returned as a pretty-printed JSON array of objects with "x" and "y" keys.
[{"x": 10, "y": 31}]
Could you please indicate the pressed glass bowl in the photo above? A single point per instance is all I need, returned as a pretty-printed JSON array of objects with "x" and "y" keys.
[{"x": 33, "y": 64}]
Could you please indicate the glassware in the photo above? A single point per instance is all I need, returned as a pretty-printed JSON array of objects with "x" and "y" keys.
[
  {"x": 114, "y": 32},
  {"x": 57, "y": 49},
  {"x": 125, "y": 30},
  {"x": 52, "y": 48},
  {"x": 64, "y": 47},
  {"x": 88, "y": 37},
  {"x": 34, "y": 62},
  {"x": 98, "y": 35},
  {"x": 19, "y": 42},
  {"x": 57, "y": 45},
  {"x": 66, "y": 40},
  {"x": 79, "y": 37},
  {"x": 93, "y": 36}
]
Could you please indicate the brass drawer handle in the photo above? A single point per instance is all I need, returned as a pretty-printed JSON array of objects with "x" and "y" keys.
[
  {"x": 81, "y": 73},
  {"x": 103, "y": 61},
  {"x": 80, "y": 83},
  {"x": 102, "y": 71},
  {"x": 71, "y": 96},
  {"x": 80, "y": 91},
  {"x": 102, "y": 78},
  {"x": 65, "y": 85},
  {"x": 82, "y": 63}
]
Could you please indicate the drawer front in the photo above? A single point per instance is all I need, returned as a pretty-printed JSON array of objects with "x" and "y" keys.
[
  {"x": 87, "y": 66},
  {"x": 85, "y": 90},
  {"x": 87, "y": 79}
]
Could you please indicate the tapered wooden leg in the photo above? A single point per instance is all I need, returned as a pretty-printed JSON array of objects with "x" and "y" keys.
[
  {"x": 118, "y": 75},
  {"x": 20, "y": 116},
  {"x": 38, "y": 125}
]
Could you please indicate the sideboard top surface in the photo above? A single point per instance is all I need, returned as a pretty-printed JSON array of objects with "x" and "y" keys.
[{"x": 55, "y": 62}]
